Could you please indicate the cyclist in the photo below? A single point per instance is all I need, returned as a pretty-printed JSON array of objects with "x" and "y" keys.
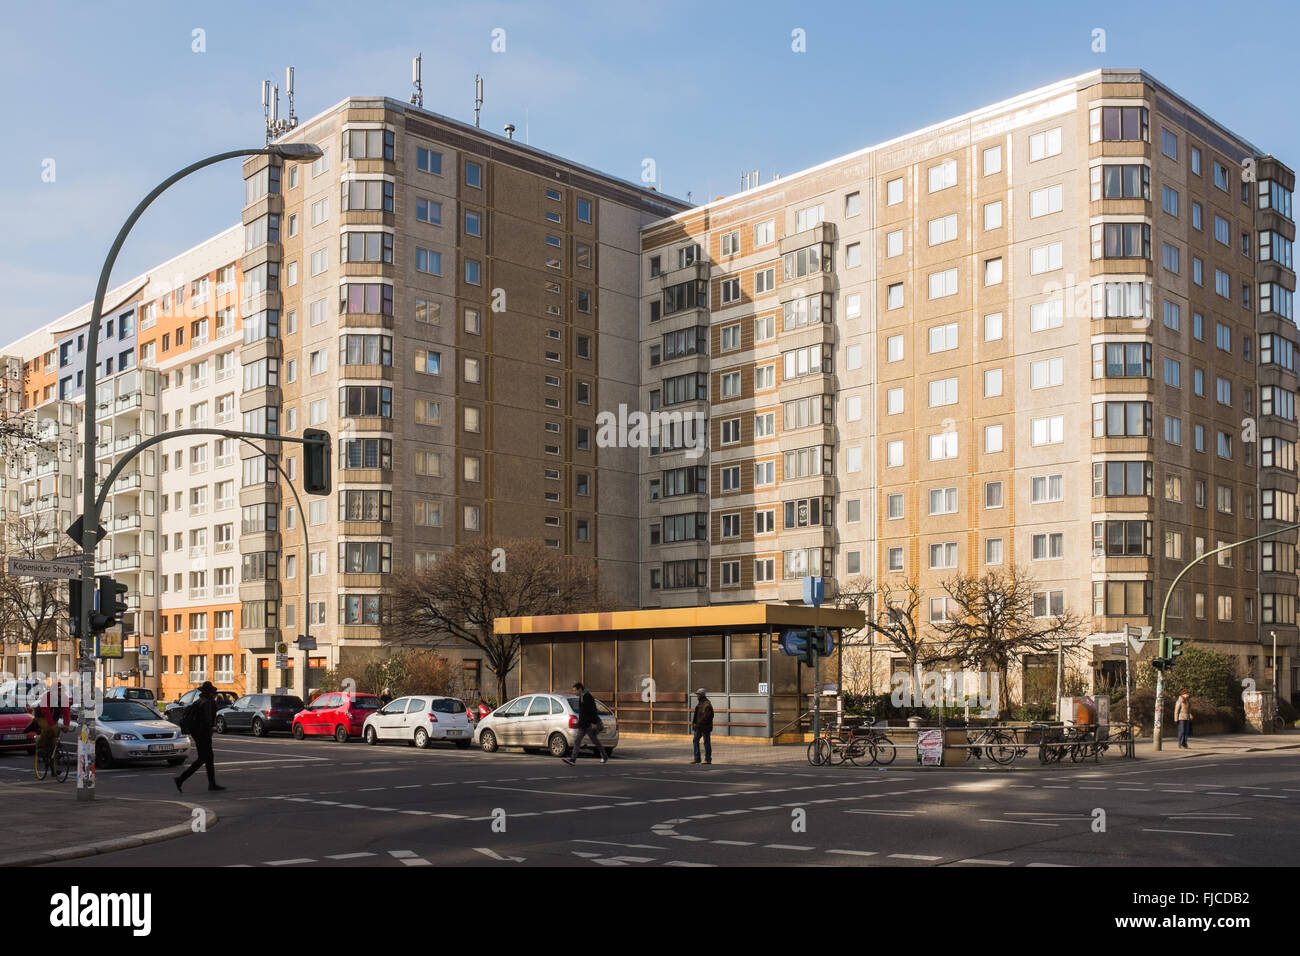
[{"x": 50, "y": 724}]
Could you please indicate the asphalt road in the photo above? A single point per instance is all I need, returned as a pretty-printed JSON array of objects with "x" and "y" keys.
[{"x": 316, "y": 802}]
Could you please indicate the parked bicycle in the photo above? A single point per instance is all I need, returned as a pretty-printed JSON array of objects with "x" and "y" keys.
[
  {"x": 853, "y": 745},
  {"x": 1000, "y": 746}
]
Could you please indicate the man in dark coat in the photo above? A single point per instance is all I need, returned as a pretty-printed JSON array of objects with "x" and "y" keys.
[
  {"x": 702, "y": 726},
  {"x": 588, "y": 725},
  {"x": 199, "y": 726}
]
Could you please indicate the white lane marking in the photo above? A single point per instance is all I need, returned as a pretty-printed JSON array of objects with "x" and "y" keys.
[
  {"x": 734, "y": 842},
  {"x": 1188, "y": 832},
  {"x": 492, "y": 854},
  {"x": 1048, "y": 864},
  {"x": 1222, "y": 793},
  {"x": 913, "y": 856},
  {"x": 684, "y": 863},
  {"x": 1021, "y": 823},
  {"x": 409, "y": 858},
  {"x": 553, "y": 793},
  {"x": 688, "y": 838},
  {"x": 1269, "y": 796},
  {"x": 303, "y": 859},
  {"x": 888, "y": 813},
  {"x": 787, "y": 846},
  {"x": 854, "y": 852},
  {"x": 348, "y": 856},
  {"x": 630, "y": 846},
  {"x": 975, "y": 862}
]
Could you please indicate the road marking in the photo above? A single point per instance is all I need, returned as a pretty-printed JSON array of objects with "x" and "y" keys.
[
  {"x": 1022, "y": 823},
  {"x": 854, "y": 852},
  {"x": 553, "y": 793},
  {"x": 630, "y": 846},
  {"x": 987, "y": 862},
  {"x": 734, "y": 842},
  {"x": 688, "y": 838},
  {"x": 1221, "y": 793},
  {"x": 684, "y": 863},
  {"x": 1270, "y": 796},
  {"x": 304, "y": 859},
  {"x": 889, "y": 813},
  {"x": 913, "y": 856},
  {"x": 1048, "y": 864},
  {"x": 786, "y": 846},
  {"x": 492, "y": 854},
  {"x": 348, "y": 856},
  {"x": 1188, "y": 832}
]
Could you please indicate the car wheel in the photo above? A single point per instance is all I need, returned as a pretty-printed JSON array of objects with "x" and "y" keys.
[
  {"x": 341, "y": 734},
  {"x": 298, "y": 732},
  {"x": 421, "y": 737},
  {"x": 370, "y": 736},
  {"x": 175, "y": 761},
  {"x": 487, "y": 741},
  {"x": 103, "y": 754},
  {"x": 557, "y": 745},
  {"x": 462, "y": 745},
  {"x": 221, "y": 725},
  {"x": 259, "y": 728}
]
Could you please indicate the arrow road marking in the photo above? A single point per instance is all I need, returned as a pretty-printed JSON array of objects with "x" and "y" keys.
[{"x": 492, "y": 854}]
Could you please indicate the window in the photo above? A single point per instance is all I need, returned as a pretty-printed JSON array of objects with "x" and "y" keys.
[
  {"x": 943, "y": 176},
  {"x": 1047, "y": 488},
  {"x": 992, "y": 160},
  {"x": 894, "y": 243},
  {"x": 992, "y": 439},
  {"x": 943, "y": 555},
  {"x": 428, "y": 261},
  {"x": 894, "y": 348},
  {"x": 1169, "y": 200},
  {"x": 894, "y": 296},
  {"x": 894, "y": 192},
  {"x": 1046, "y": 315},
  {"x": 1045, "y": 201},
  {"x": 942, "y": 338},
  {"x": 993, "y": 215},
  {"x": 943, "y": 501},
  {"x": 992, "y": 326},
  {"x": 943, "y": 230},
  {"x": 1121, "y": 240},
  {"x": 428, "y": 161},
  {"x": 1049, "y": 430},
  {"x": 1045, "y": 258},
  {"x": 943, "y": 446},
  {"x": 992, "y": 382},
  {"x": 1047, "y": 373},
  {"x": 427, "y": 210},
  {"x": 1044, "y": 144},
  {"x": 1118, "y": 124},
  {"x": 1121, "y": 419},
  {"x": 943, "y": 284},
  {"x": 894, "y": 507},
  {"x": 1048, "y": 546},
  {"x": 993, "y": 271},
  {"x": 943, "y": 392}
]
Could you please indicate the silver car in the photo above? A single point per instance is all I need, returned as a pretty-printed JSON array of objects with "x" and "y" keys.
[
  {"x": 420, "y": 720},
  {"x": 541, "y": 720},
  {"x": 128, "y": 731}
]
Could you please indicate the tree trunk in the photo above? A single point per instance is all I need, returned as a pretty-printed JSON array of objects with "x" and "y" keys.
[
  {"x": 502, "y": 695},
  {"x": 32, "y": 669}
]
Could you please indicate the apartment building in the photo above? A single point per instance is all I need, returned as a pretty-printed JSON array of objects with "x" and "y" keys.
[
  {"x": 1055, "y": 333},
  {"x": 453, "y": 306}
]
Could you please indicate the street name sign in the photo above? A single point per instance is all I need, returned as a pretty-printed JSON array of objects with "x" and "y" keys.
[{"x": 31, "y": 568}]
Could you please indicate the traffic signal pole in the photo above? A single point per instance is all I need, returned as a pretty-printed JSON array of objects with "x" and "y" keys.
[{"x": 1164, "y": 611}]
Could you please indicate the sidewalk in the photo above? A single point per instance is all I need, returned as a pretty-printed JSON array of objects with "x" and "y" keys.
[
  {"x": 43, "y": 822},
  {"x": 1219, "y": 744}
]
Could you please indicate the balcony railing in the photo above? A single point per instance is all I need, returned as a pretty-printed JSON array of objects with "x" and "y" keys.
[
  {"x": 129, "y": 440},
  {"x": 223, "y": 590},
  {"x": 199, "y": 509},
  {"x": 126, "y": 561},
  {"x": 225, "y": 418},
  {"x": 225, "y": 461},
  {"x": 125, "y": 522},
  {"x": 199, "y": 551},
  {"x": 198, "y": 467},
  {"x": 198, "y": 677},
  {"x": 196, "y": 593},
  {"x": 224, "y": 547},
  {"x": 127, "y": 482},
  {"x": 129, "y": 401}
]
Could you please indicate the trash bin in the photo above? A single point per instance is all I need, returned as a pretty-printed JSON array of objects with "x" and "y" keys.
[{"x": 914, "y": 723}]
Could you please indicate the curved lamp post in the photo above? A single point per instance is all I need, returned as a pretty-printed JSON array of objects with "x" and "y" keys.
[{"x": 293, "y": 152}]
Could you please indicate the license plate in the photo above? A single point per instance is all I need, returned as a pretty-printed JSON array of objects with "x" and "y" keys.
[
  {"x": 15, "y": 737},
  {"x": 161, "y": 748},
  {"x": 456, "y": 733}
]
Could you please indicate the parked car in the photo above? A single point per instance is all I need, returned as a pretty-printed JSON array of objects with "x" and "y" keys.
[
  {"x": 420, "y": 720},
  {"x": 142, "y": 694},
  {"x": 177, "y": 707},
  {"x": 129, "y": 731},
  {"x": 23, "y": 692},
  {"x": 259, "y": 714},
  {"x": 17, "y": 729},
  {"x": 541, "y": 720},
  {"x": 339, "y": 714}
]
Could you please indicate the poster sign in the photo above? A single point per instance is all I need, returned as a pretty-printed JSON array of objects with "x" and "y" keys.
[
  {"x": 929, "y": 748},
  {"x": 108, "y": 646}
]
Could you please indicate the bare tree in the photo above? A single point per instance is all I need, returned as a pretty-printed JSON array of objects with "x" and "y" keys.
[
  {"x": 33, "y": 611},
  {"x": 993, "y": 621},
  {"x": 461, "y": 595},
  {"x": 898, "y": 621}
]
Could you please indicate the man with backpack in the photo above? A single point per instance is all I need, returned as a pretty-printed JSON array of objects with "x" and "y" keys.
[
  {"x": 589, "y": 724},
  {"x": 197, "y": 721}
]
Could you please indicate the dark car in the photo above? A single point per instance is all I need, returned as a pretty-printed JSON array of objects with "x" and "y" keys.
[
  {"x": 259, "y": 714},
  {"x": 177, "y": 707}
]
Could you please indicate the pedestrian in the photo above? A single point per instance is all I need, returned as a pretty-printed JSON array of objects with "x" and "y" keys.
[
  {"x": 589, "y": 724},
  {"x": 385, "y": 698},
  {"x": 199, "y": 719},
  {"x": 1183, "y": 715},
  {"x": 702, "y": 726}
]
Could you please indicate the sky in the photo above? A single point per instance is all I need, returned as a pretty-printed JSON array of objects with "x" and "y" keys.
[{"x": 106, "y": 99}]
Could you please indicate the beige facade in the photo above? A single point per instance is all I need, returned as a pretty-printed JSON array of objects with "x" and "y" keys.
[{"x": 1027, "y": 336}]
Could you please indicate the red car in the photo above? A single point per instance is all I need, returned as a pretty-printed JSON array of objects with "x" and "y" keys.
[
  {"x": 17, "y": 730},
  {"x": 338, "y": 714}
]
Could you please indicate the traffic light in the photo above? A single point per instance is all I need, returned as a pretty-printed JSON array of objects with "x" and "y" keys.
[
  {"x": 111, "y": 603},
  {"x": 74, "y": 607},
  {"x": 808, "y": 653},
  {"x": 316, "y": 458},
  {"x": 1175, "y": 645}
]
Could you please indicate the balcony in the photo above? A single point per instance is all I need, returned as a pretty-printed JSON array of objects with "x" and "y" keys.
[
  {"x": 199, "y": 551},
  {"x": 198, "y": 677},
  {"x": 124, "y": 442},
  {"x": 126, "y": 522},
  {"x": 133, "y": 602},
  {"x": 129, "y": 481},
  {"x": 226, "y": 373},
  {"x": 198, "y": 593},
  {"x": 225, "y": 418},
  {"x": 225, "y": 461},
  {"x": 127, "y": 402},
  {"x": 224, "y": 547},
  {"x": 198, "y": 509},
  {"x": 103, "y": 410},
  {"x": 223, "y": 591},
  {"x": 198, "y": 467},
  {"x": 127, "y": 561},
  {"x": 46, "y": 502},
  {"x": 199, "y": 383}
]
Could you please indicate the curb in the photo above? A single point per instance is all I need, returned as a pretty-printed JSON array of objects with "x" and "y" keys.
[{"x": 117, "y": 843}]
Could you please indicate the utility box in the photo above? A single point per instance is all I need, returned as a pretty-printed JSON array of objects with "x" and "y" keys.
[{"x": 1085, "y": 711}]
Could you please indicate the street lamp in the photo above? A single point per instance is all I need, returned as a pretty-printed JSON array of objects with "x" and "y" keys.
[{"x": 291, "y": 152}]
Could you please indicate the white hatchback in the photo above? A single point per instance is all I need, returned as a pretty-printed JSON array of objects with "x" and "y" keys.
[{"x": 420, "y": 720}]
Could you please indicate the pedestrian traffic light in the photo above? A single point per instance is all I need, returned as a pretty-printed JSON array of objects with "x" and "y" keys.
[
  {"x": 1175, "y": 645},
  {"x": 111, "y": 605},
  {"x": 316, "y": 457},
  {"x": 1160, "y": 664}
]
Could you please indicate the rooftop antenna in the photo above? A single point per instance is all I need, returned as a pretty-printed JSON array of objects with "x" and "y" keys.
[
  {"x": 417, "y": 97},
  {"x": 478, "y": 96},
  {"x": 275, "y": 111},
  {"x": 266, "y": 107},
  {"x": 510, "y": 130},
  {"x": 288, "y": 84},
  {"x": 753, "y": 179}
]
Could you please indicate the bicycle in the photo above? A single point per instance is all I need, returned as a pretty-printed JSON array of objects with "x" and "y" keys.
[
  {"x": 56, "y": 763},
  {"x": 998, "y": 745},
  {"x": 1053, "y": 743},
  {"x": 871, "y": 742}
]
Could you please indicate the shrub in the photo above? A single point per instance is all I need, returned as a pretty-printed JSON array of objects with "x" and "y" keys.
[{"x": 1204, "y": 672}]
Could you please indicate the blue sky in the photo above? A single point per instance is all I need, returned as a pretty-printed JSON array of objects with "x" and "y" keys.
[{"x": 115, "y": 95}]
